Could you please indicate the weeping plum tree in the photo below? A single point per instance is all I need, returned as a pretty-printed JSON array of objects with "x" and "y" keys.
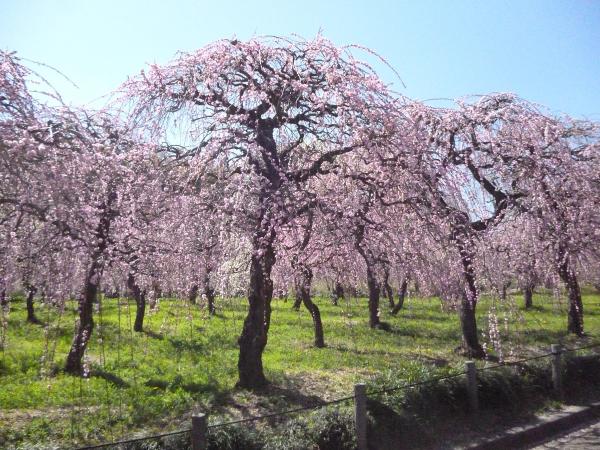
[
  {"x": 69, "y": 172},
  {"x": 276, "y": 113},
  {"x": 465, "y": 189}
]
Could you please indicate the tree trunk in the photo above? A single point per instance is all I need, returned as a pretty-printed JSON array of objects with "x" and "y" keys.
[
  {"x": 31, "y": 318},
  {"x": 87, "y": 297},
  {"x": 389, "y": 292},
  {"x": 374, "y": 290},
  {"x": 567, "y": 275},
  {"x": 253, "y": 339},
  {"x": 297, "y": 302},
  {"x": 139, "y": 296},
  {"x": 85, "y": 325},
  {"x": 193, "y": 295},
  {"x": 303, "y": 281},
  {"x": 528, "y": 295},
  {"x": 468, "y": 306},
  {"x": 338, "y": 293},
  {"x": 209, "y": 293},
  {"x": 401, "y": 297},
  {"x": 3, "y": 298}
]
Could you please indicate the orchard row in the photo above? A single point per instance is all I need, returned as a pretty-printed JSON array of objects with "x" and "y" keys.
[{"x": 272, "y": 164}]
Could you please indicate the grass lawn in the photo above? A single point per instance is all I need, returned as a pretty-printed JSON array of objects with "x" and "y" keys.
[{"x": 185, "y": 361}]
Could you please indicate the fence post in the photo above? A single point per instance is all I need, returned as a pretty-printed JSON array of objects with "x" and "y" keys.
[
  {"x": 199, "y": 429},
  {"x": 472, "y": 386},
  {"x": 556, "y": 351},
  {"x": 360, "y": 415}
]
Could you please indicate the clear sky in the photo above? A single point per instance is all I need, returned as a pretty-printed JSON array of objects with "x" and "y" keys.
[{"x": 545, "y": 51}]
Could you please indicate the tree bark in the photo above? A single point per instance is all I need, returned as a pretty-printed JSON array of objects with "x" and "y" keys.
[
  {"x": 193, "y": 295},
  {"x": 374, "y": 291},
  {"x": 89, "y": 293},
  {"x": 31, "y": 318},
  {"x": 528, "y": 295},
  {"x": 297, "y": 302},
  {"x": 468, "y": 305},
  {"x": 567, "y": 275},
  {"x": 401, "y": 297},
  {"x": 209, "y": 293},
  {"x": 303, "y": 282},
  {"x": 338, "y": 293},
  {"x": 3, "y": 298},
  {"x": 389, "y": 292},
  {"x": 253, "y": 339},
  {"x": 372, "y": 283},
  {"x": 139, "y": 296},
  {"x": 74, "y": 365}
]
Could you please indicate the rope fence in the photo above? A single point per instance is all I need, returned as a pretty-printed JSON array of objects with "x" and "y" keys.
[{"x": 200, "y": 425}]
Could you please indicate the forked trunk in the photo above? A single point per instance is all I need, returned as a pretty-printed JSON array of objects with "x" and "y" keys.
[
  {"x": 253, "y": 339},
  {"x": 401, "y": 297},
  {"x": 303, "y": 282},
  {"x": 567, "y": 275}
]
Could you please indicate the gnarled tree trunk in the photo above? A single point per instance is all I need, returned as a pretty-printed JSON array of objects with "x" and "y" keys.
[
  {"x": 468, "y": 305},
  {"x": 85, "y": 325},
  {"x": 401, "y": 297},
  {"x": 303, "y": 281},
  {"x": 253, "y": 339}
]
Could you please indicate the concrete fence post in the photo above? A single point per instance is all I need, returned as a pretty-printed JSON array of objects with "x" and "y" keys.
[
  {"x": 471, "y": 371},
  {"x": 199, "y": 431},
  {"x": 360, "y": 415},
  {"x": 556, "y": 351}
]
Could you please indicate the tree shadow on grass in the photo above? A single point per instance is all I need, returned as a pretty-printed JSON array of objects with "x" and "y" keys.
[
  {"x": 282, "y": 394},
  {"x": 110, "y": 377},
  {"x": 153, "y": 334},
  {"x": 179, "y": 382}
]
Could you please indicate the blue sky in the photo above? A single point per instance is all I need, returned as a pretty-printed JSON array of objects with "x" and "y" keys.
[{"x": 545, "y": 51}]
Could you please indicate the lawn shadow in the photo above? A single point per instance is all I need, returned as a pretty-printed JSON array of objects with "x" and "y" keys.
[
  {"x": 153, "y": 334},
  {"x": 110, "y": 377},
  {"x": 179, "y": 383}
]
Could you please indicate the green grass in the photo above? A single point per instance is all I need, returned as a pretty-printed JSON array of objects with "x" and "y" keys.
[{"x": 185, "y": 361}]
